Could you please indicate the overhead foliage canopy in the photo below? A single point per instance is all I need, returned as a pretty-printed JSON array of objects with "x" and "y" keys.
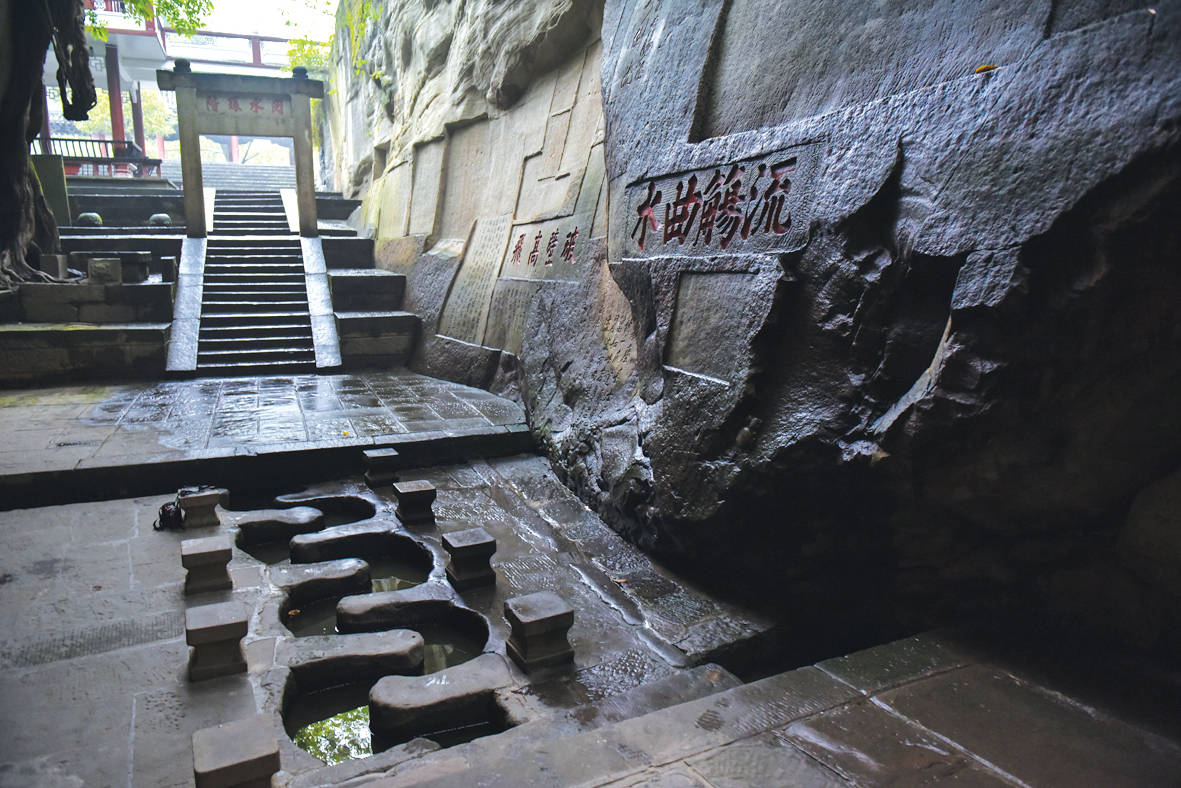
[{"x": 183, "y": 16}]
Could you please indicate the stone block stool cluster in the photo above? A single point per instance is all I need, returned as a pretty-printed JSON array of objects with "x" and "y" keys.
[{"x": 245, "y": 752}]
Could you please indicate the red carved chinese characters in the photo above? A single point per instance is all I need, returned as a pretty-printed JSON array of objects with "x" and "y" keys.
[
  {"x": 256, "y": 106},
  {"x": 234, "y": 105},
  {"x": 745, "y": 201},
  {"x": 517, "y": 249},
  {"x": 277, "y": 107},
  {"x": 536, "y": 248},
  {"x": 681, "y": 212},
  {"x": 645, "y": 212},
  {"x": 568, "y": 248},
  {"x": 211, "y": 104},
  {"x": 549, "y": 248}
]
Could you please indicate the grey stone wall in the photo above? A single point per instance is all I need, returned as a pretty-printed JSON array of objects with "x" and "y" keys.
[{"x": 881, "y": 315}]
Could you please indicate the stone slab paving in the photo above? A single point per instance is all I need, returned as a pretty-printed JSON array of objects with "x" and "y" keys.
[
  {"x": 93, "y": 657},
  {"x": 920, "y": 711},
  {"x": 80, "y": 427},
  {"x": 94, "y": 691}
]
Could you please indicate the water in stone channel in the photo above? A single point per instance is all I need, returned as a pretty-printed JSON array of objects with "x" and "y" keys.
[
  {"x": 333, "y": 724},
  {"x": 443, "y": 645}
]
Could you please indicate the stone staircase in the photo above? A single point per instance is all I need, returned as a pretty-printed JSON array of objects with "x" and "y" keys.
[
  {"x": 249, "y": 213},
  {"x": 255, "y": 317},
  {"x": 262, "y": 307},
  {"x": 229, "y": 175}
]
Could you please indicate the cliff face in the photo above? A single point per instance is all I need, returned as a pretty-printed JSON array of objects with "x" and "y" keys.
[{"x": 875, "y": 306}]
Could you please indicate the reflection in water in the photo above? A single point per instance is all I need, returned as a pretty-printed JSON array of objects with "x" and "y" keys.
[
  {"x": 443, "y": 646},
  {"x": 269, "y": 553},
  {"x": 342, "y": 737},
  {"x": 390, "y": 573},
  {"x": 312, "y": 618},
  {"x": 332, "y": 724}
]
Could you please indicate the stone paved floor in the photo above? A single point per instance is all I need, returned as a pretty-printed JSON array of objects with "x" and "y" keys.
[
  {"x": 92, "y": 653},
  {"x": 91, "y": 426},
  {"x": 93, "y": 688}
]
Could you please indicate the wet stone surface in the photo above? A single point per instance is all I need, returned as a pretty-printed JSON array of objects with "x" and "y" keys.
[
  {"x": 94, "y": 615},
  {"x": 61, "y": 428}
]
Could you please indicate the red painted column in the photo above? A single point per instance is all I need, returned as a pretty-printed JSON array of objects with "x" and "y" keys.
[
  {"x": 137, "y": 117},
  {"x": 115, "y": 93},
  {"x": 159, "y": 147},
  {"x": 256, "y": 50},
  {"x": 234, "y": 150}
]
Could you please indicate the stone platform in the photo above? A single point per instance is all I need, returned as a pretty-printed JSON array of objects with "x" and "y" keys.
[
  {"x": 85, "y": 442},
  {"x": 93, "y": 666}
]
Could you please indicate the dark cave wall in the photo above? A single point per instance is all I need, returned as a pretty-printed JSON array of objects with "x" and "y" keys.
[
  {"x": 939, "y": 390},
  {"x": 873, "y": 317}
]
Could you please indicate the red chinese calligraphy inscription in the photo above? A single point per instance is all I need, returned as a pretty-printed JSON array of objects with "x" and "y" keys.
[{"x": 750, "y": 202}]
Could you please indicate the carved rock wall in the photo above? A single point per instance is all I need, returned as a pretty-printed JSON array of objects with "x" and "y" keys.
[{"x": 876, "y": 310}]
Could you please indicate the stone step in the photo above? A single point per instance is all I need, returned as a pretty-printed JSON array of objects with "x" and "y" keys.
[
  {"x": 239, "y": 355},
  {"x": 250, "y": 227},
  {"x": 262, "y": 270},
  {"x": 257, "y": 319},
  {"x": 254, "y": 256},
  {"x": 255, "y": 368},
  {"x": 252, "y": 243},
  {"x": 257, "y": 294},
  {"x": 253, "y": 231},
  {"x": 274, "y": 340},
  {"x": 355, "y": 289},
  {"x": 255, "y": 331},
  {"x": 237, "y": 307},
  {"x": 247, "y": 279},
  {"x": 378, "y": 338},
  {"x": 253, "y": 291},
  {"x": 348, "y": 253}
]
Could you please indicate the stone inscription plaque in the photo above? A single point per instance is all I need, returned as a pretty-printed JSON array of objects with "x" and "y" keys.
[
  {"x": 552, "y": 250},
  {"x": 510, "y": 308},
  {"x": 243, "y": 113},
  {"x": 465, "y": 312},
  {"x": 707, "y": 335},
  {"x": 751, "y": 205}
]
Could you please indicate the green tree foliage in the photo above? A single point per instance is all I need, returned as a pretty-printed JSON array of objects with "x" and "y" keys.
[
  {"x": 184, "y": 16},
  {"x": 312, "y": 55},
  {"x": 159, "y": 118}
]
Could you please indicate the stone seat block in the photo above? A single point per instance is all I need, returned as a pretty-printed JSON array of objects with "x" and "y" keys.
[
  {"x": 470, "y": 551},
  {"x": 205, "y": 624},
  {"x": 215, "y": 632},
  {"x": 241, "y": 753},
  {"x": 414, "y": 501},
  {"x": 536, "y": 614},
  {"x": 207, "y": 562},
  {"x": 539, "y": 623},
  {"x": 200, "y": 506},
  {"x": 204, "y": 551},
  {"x": 381, "y": 466}
]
